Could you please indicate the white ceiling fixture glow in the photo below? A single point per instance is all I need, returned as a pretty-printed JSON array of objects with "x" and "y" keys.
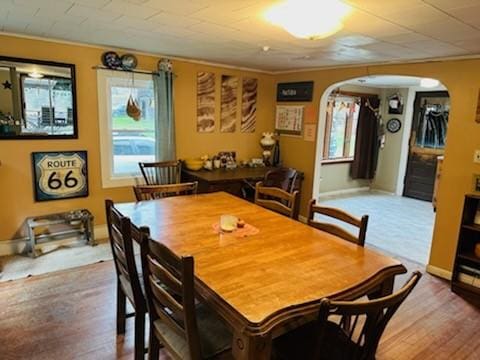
[
  {"x": 429, "y": 83},
  {"x": 35, "y": 75},
  {"x": 309, "y": 19}
]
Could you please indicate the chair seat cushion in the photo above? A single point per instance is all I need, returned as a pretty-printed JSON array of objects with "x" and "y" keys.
[
  {"x": 301, "y": 343},
  {"x": 215, "y": 337}
]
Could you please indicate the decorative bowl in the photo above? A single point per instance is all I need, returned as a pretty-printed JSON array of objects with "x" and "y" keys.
[
  {"x": 111, "y": 59},
  {"x": 194, "y": 164},
  {"x": 129, "y": 62}
]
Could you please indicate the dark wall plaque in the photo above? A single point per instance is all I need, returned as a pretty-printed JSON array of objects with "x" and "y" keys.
[{"x": 295, "y": 91}]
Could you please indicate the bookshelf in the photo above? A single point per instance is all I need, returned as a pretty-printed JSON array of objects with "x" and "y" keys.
[{"x": 466, "y": 269}]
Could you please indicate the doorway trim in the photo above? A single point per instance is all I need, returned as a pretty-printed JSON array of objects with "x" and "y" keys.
[{"x": 408, "y": 120}]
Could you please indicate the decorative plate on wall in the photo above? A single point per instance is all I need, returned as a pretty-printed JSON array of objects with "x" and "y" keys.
[
  {"x": 129, "y": 62},
  {"x": 111, "y": 59},
  {"x": 394, "y": 125}
]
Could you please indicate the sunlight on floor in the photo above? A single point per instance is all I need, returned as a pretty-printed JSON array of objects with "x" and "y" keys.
[{"x": 399, "y": 225}]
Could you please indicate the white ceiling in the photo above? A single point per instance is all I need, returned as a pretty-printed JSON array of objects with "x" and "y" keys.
[
  {"x": 233, "y": 31},
  {"x": 387, "y": 81}
]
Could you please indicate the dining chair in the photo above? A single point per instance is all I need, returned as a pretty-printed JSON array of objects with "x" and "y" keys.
[
  {"x": 129, "y": 280},
  {"x": 187, "y": 330},
  {"x": 277, "y": 199},
  {"x": 283, "y": 178},
  {"x": 338, "y": 214},
  {"x": 344, "y": 330},
  {"x": 152, "y": 192},
  {"x": 287, "y": 179},
  {"x": 161, "y": 173}
]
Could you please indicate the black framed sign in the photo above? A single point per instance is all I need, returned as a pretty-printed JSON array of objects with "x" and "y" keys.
[
  {"x": 60, "y": 175},
  {"x": 295, "y": 91}
]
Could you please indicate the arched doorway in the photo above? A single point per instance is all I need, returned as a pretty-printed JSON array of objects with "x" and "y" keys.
[{"x": 411, "y": 127}]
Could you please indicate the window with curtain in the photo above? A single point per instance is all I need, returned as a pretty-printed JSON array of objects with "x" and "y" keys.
[
  {"x": 341, "y": 128},
  {"x": 124, "y": 141}
]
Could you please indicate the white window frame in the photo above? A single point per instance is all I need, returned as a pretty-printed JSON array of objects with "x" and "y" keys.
[{"x": 105, "y": 126}]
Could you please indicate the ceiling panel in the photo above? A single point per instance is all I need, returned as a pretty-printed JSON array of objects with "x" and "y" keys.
[{"x": 234, "y": 31}]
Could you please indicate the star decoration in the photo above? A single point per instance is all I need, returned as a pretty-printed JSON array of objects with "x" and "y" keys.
[{"x": 7, "y": 85}]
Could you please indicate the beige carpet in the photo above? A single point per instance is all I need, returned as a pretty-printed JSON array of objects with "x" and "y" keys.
[{"x": 54, "y": 258}]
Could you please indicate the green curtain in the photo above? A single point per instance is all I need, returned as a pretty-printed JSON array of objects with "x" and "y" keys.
[{"x": 165, "y": 119}]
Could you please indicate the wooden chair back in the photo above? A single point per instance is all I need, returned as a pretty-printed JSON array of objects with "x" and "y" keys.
[
  {"x": 151, "y": 192},
  {"x": 334, "y": 229},
  {"x": 169, "y": 285},
  {"x": 283, "y": 178},
  {"x": 121, "y": 241},
  {"x": 362, "y": 323},
  {"x": 161, "y": 173},
  {"x": 277, "y": 199}
]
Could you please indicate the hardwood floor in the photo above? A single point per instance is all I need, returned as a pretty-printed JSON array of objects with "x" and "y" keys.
[{"x": 71, "y": 315}]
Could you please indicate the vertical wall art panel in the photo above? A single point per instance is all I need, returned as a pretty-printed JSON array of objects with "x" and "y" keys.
[
  {"x": 205, "y": 102},
  {"x": 229, "y": 103},
  {"x": 249, "y": 105}
]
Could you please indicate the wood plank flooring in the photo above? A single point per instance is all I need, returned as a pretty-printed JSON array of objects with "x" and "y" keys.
[{"x": 71, "y": 315}]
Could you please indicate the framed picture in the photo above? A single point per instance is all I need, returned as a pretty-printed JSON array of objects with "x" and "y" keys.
[
  {"x": 395, "y": 104},
  {"x": 289, "y": 119},
  {"x": 295, "y": 91},
  {"x": 60, "y": 175}
]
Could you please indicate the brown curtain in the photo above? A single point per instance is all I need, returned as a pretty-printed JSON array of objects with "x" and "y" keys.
[{"x": 364, "y": 163}]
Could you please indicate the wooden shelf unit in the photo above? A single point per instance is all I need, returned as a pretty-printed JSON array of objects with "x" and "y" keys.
[{"x": 469, "y": 236}]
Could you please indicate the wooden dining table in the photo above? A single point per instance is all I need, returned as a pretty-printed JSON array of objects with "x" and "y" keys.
[{"x": 268, "y": 282}]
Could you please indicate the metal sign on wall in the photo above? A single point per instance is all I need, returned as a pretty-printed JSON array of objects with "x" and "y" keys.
[
  {"x": 295, "y": 91},
  {"x": 60, "y": 175}
]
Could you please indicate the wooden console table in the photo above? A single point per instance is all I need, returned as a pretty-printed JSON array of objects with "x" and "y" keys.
[{"x": 228, "y": 180}]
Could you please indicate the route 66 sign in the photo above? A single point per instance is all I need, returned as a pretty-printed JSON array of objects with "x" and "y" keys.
[{"x": 60, "y": 175}]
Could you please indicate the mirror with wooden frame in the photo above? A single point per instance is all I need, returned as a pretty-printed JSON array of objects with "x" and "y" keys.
[{"x": 37, "y": 99}]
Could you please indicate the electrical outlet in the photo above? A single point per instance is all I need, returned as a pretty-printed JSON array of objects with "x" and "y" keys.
[{"x": 476, "y": 156}]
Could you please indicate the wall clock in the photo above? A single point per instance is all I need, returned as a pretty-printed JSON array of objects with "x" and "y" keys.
[{"x": 394, "y": 125}]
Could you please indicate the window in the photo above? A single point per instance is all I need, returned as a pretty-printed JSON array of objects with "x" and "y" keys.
[
  {"x": 124, "y": 141},
  {"x": 341, "y": 128}
]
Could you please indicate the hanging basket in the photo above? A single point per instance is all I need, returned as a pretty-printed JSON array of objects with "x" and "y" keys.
[{"x": 133, "y": 110}]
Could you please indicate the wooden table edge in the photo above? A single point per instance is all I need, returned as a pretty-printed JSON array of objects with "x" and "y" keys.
[{"x": 383, "y": 280}]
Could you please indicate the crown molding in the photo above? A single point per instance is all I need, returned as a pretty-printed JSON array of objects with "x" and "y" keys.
[{"x": 137, "y": 52}]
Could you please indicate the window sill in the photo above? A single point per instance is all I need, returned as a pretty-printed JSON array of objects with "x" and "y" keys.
[
  {"x": 337, "y": 161},
  {"x": 116, "y": 182}
]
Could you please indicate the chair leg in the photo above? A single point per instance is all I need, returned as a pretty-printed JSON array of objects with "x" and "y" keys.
[
  {"x": 121, "y": 310},
  {"x": 153, "y": 345},
  {"x": 139, "y": 335}
]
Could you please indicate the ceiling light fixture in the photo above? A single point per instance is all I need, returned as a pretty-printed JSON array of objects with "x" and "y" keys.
[
  {"x": 429, "y": 83},
  {"x": 265, "y": 48},
  {"x": 35, "y": 75},
  {"x": 309, "y": 19}
]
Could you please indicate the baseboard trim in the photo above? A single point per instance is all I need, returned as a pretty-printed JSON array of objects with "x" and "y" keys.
[
  {"x": 17, "y": 246},
  {"x": 344, "y": 192},
  {"x": 444, "y": 274}
]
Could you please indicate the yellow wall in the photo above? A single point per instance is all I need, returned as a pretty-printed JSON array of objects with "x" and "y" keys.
[
  {"x": 16, "y": 189},
  {"x": 462, "y": 79}
]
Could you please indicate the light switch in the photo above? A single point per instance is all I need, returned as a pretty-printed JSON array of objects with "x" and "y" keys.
[{"x": 476, "y": 157}]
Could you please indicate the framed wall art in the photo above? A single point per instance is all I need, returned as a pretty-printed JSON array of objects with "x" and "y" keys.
[
  {"x": 295, "y": 91},
  {"x": 60, "y": 175},
  {"x": 289, "y": 119}
]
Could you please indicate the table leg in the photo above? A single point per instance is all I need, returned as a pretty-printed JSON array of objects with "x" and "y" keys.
[
  {"x": 89, "y": 234},
  {"x": 31, "y": 243},
  {"x": 251, "y": 347}
]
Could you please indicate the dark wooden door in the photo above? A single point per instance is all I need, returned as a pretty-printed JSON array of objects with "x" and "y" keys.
[{"x": 427, "y": 142}]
